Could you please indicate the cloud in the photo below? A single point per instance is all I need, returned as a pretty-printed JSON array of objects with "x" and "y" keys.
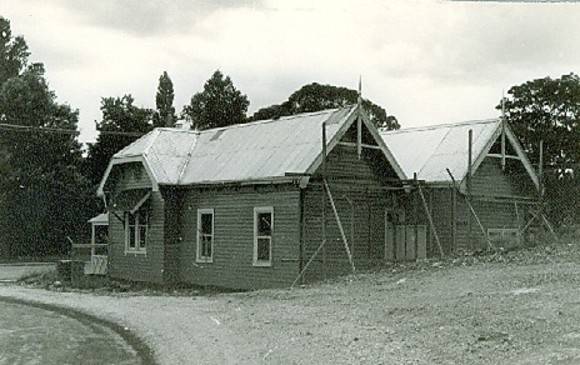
[
  {"x": 149, "y": 17},
  {"x": 424, "y": 61}
]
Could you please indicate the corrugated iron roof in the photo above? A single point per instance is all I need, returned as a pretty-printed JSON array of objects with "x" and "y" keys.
[
  {"x": 257, "y": 150},
  {"x": 429, "y": 151}
]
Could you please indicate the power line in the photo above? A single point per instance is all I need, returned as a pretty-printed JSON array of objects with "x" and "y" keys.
[{"x": 27, "y": 128}]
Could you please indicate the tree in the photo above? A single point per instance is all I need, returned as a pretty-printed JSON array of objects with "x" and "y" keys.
[
  {"x": 119, "y": 116},
  {"x": 13, "y": 52},
  {"x": 43, "y": 196},
  {"x": 549, "y": 109},
  {"x": 315, "y": 97},
  {"x": 219, "y": 104},
  {"x": 165, "y": 113}
]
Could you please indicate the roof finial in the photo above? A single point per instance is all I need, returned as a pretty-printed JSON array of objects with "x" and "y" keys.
[
  {"x": 503, "y": 104},
  {"x": 359, "y": 99}
]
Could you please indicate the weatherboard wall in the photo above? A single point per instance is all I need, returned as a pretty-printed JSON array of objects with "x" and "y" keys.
[
  {"x": 490, "y": 180},
  {"x": 356, "y": 186},
  {"x": 232, "y": 265},
  {"x": 147, "y": 266}
]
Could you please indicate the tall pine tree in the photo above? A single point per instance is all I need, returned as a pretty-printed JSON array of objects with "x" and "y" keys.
[{"x": 165, "y": 113}]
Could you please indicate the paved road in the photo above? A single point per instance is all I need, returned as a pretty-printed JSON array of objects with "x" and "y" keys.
[{"x": 13, "y": 272}]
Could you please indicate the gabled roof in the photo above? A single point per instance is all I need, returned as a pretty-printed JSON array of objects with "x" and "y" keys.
[
  {"x": 267, "y": 149},
  {"x": 429, "y": 151}
]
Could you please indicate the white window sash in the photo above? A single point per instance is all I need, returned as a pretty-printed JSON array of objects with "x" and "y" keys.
[
  {"x": 200, "y": 235},
  {"x": 257, "y": 212},
  {"x": 138, "y": 249}
]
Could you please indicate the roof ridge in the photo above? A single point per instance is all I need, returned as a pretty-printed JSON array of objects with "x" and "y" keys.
[
  {"x": 187, "y": 159},
  {"x": 256, "y": 122},
  {"x": 440, "y": 126},
  {"x": 264, "y": 121}
]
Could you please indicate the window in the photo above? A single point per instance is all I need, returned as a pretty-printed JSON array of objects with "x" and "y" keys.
[
  {"x": 204, "y": 235},
  {"x": 263, "y": 228},
  {"x": 136, "y": 227},
  {"x": 504, "y": 237}
]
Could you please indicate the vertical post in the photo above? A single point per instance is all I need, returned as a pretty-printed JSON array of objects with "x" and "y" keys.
[
  {"x": 394, "y": 218},
  {"x": 358, "y": 137},
  {"x": 541, "y": 170},
  {"x": 503, "y": 133},
  {"x": 468, "y": 181},
  {"x": 431, "y": 192},
  {"x": 415, "y": 213},
  {"x": 358, "y": 120},
  {"x": 324, "y": 200},
  {"x": 454, "y": 220},
  {"x": 93, "y": 240},
  {"x": 301, "y": 235},
  {"x": 369, "y": 229}
]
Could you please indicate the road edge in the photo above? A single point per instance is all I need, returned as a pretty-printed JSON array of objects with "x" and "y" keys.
[{"x": 144, "y": 352}]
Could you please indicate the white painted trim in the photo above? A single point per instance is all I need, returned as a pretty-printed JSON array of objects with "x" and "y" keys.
[
  {"x": 119, "y": 161},
  {"x": 350, "y": 119},
  {"x": 255, "y": 261},
  {"x": 478, "y": 160},
  {"x": 390, "y": 157},
  {"x": 137, "y": 250},
  {"x": 198, "y": 257},
  {"x": 330, "y": 144},
  {"x": 499, "y": 155},
  {"x": 523, "y": 157},
  {"x": 485, "y": 152}
]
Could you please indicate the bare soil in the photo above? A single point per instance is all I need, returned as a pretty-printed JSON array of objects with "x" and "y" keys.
[{"x": 522, "y": 307}]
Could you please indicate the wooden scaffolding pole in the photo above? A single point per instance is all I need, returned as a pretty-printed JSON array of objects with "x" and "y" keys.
[
  {"x": 468, "y": 182},
  {"x": 472, "y": 212},
  {"x": 323, "y": 200},
  {"x": 431, "y": 224},
  {"x": 340, "y": 228},
  {"x": 301, "y": 274}
]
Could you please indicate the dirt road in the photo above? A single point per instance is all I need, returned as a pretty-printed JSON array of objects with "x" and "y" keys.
[{"x": 487, "y": 313}]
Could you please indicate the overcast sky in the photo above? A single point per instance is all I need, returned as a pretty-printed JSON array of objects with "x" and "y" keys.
[{"x": 425, "y": 62}]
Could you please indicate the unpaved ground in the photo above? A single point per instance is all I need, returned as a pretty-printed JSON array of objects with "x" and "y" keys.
[
  {"x": 32, "y": 335},
  {"x": 526, "y": 312}
]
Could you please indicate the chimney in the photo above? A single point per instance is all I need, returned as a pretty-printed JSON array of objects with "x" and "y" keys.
[{"x": 182, "y": 124}]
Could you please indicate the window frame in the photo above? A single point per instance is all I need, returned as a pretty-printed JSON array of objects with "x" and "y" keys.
[
  {"x": 198, "y": 257},
  {"x": 496, "y": 235},
  {"x": 255, "y": 261},
  {"x": 137, "y": 232}
]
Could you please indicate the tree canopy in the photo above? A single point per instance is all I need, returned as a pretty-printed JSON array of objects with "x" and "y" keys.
[
  {"x": 219, "y": 104},
  {"x": 165, "y": 114},
  {"x": 315, "y": 97},
  {"x": 547, "y": 109},
  {"x": 126, "y": 122},
  {"x": 43, "y": 196},
  {"x": 13, "y": 52}
]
